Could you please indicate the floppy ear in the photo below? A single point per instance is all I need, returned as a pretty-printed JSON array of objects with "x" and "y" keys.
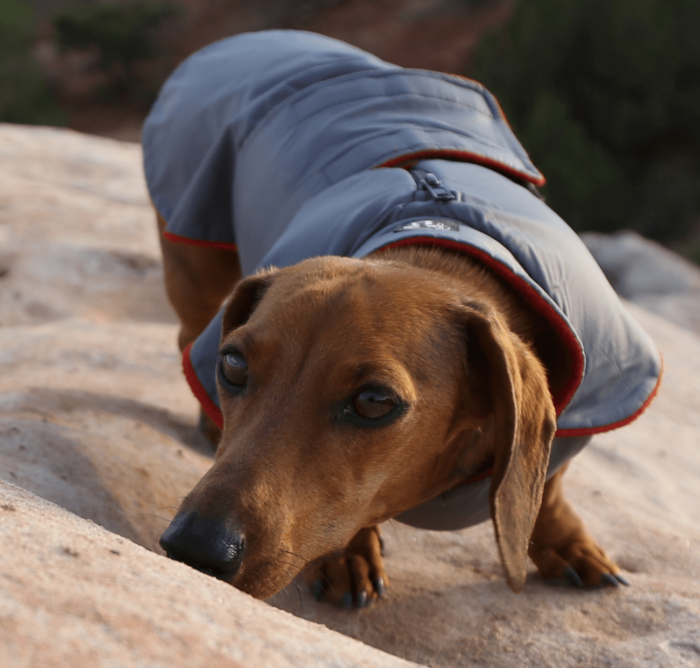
[
  {"x": 244, "y": 298},
  {"x": 520, "y": 431}
]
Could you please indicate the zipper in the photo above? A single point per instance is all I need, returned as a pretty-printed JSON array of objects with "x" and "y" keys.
[{"x": 430, "y": 183}]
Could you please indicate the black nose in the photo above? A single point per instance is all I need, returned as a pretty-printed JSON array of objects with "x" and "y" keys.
[{"x": 204, "y": 543}]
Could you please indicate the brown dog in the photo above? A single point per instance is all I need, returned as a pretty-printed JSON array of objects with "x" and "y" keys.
[
  {"x": 433, "y": 326},
  {"x": 353, "y": 390}
]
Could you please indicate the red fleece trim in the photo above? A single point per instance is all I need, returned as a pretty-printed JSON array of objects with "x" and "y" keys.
[
  {"x": 176, "y": 238},
  {"x": 198, "y": 390},
  {"x": 564, "y": 396},
  {"x": 589, "y": 431},
  {"x": 464, "y": 156}
]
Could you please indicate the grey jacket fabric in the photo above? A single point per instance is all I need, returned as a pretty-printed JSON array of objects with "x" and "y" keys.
[{"x": 289, "y": 145}]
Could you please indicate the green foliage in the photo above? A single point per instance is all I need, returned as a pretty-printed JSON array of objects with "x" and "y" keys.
[
  {"x": 24, "y": 95},
  {"x": 123, "y": 34},
  {"x": 605, "y": 96}
]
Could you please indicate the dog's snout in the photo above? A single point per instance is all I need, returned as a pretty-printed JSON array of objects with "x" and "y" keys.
[{"x": 204, "y": 543}]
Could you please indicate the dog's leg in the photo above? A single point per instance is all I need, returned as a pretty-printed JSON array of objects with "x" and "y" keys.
[
  {"x": 197, "y": 280},
  {"x": 355, "y": 578},
  {"x": 561, "y": 547}
]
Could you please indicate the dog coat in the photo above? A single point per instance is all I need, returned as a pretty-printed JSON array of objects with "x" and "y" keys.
[{"x": 286, "y": 145}]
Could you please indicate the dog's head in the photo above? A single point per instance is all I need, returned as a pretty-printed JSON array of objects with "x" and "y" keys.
[{"x": 353, "y": 390}]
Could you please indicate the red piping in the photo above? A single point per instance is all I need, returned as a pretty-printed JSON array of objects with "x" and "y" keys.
[
  {"x": 589, "y": 431},
  {"x": 465, "y": 156},
  {"x": 176, "y": 238},
  {"x": 476, "y": 478},
  {"x": 198, "y": 390}
]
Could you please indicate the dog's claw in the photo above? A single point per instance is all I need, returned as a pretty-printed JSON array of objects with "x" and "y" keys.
[
  {"x": 346, "y": 601},
  {"x": 622, "y": 579},
  {"x": 608, "y": 580},
  {"x": 572, "y": 578},
  {"x": 317, "y": 590},
  {"x": 379, "y": 587},
  {"x": 362, "y": 600}
]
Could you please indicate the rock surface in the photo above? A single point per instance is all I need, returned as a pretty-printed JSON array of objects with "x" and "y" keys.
[
  {"x": 74, "y": 594},
  {"x": 95, "y": 417},
  {"x": 650, "y": 275}
]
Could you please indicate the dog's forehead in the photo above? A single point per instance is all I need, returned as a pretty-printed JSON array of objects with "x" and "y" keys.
[
  {"x": 376, "y": 319},
  {"x": 355, "y": 296}
]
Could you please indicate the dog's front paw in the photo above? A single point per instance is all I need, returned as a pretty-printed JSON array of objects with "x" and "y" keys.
[
  {"x": 563, "y": 550},
  {"x": 354, "y": 579},
  {"x": 579, "y": 562}
]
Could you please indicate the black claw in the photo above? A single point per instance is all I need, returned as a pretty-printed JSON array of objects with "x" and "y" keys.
[
  {"x": 622, "y": 580},
  {"x": 317, "y": 590},
  {"x": 346, "y": 601},
  {"x": 609, "y": 580},
  {"x": 361, "y": 599},
  {"x": 571, "y": 577},
  {"x": 379, "y": 587}
]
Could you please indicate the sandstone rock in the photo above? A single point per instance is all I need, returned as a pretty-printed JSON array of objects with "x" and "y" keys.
[
  {"x": 96, "y": 417},
  {"x": 649, "y": 275},
  {"x": 74, "y": 594}
]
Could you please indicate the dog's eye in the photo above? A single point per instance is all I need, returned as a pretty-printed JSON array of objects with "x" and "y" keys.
[
  {"x": 371, "y": 407},
  {"x": 234, "y": 370},
  {"x": 373, "y": 404}
]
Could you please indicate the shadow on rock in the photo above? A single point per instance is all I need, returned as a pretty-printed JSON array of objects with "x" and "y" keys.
[{"x": 117, "y": 462}]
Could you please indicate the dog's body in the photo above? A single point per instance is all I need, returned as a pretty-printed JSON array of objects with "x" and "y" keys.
[{"x": 423, "y": 377}]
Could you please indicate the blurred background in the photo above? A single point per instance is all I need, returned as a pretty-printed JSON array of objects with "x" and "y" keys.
[{"x": 604, "y": 94}]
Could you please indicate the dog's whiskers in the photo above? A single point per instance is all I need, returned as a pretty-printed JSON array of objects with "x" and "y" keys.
[
  {"x": 292, "y": 581},
  {"x": 165, "y": 519},
  {"x": 288, "y": 563},
  {"x": 392, "y": 524},
  {"x": 298, "y": 589},
  {"x": 298, "y": 556}
]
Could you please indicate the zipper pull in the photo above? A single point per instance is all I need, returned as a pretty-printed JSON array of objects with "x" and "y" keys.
[{"x": 431, "y": 183}]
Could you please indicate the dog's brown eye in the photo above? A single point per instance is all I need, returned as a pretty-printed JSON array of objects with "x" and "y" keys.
[
  {"x": 234, "y": 370},
  {"x": 373, "y": 404}
]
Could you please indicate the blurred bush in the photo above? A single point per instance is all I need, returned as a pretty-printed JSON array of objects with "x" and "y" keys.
[
  {"x": 605, "y": 96},
  {"x": 123, "y": 34},
  {"x": 24, "y": 95}
]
